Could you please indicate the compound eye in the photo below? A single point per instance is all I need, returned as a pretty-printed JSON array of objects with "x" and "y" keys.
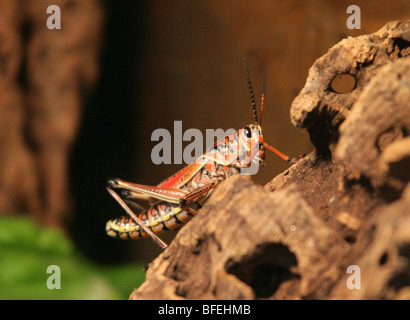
[{"x": 248, "y": 132}]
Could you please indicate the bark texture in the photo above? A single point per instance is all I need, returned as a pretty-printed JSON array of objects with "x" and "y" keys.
[{"x": 344, "y": 204}]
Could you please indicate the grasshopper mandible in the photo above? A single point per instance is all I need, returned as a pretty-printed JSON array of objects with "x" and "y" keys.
[{"x": 176, "y": 200}]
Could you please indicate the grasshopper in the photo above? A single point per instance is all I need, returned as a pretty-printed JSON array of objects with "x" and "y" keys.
[{"x": 176, "y": 200}]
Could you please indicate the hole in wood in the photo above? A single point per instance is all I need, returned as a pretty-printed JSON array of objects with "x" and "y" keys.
[
  {"x": 264, "y": 270},
  {"x": 343, "y": 83}
]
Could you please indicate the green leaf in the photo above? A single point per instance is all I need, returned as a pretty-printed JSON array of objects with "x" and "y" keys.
[{"x": 27, "y": 250}]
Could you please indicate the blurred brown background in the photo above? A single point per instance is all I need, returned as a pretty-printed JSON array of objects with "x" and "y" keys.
[{"x": 79, "y": 105}]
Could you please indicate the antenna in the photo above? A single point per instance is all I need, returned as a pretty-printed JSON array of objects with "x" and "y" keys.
[
  {"x": 251, "y": 91},
  {"x": 263, "y": 94}
]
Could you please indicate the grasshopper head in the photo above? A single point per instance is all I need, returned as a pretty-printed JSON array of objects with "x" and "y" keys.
[{"x": 251, "y": 139}]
